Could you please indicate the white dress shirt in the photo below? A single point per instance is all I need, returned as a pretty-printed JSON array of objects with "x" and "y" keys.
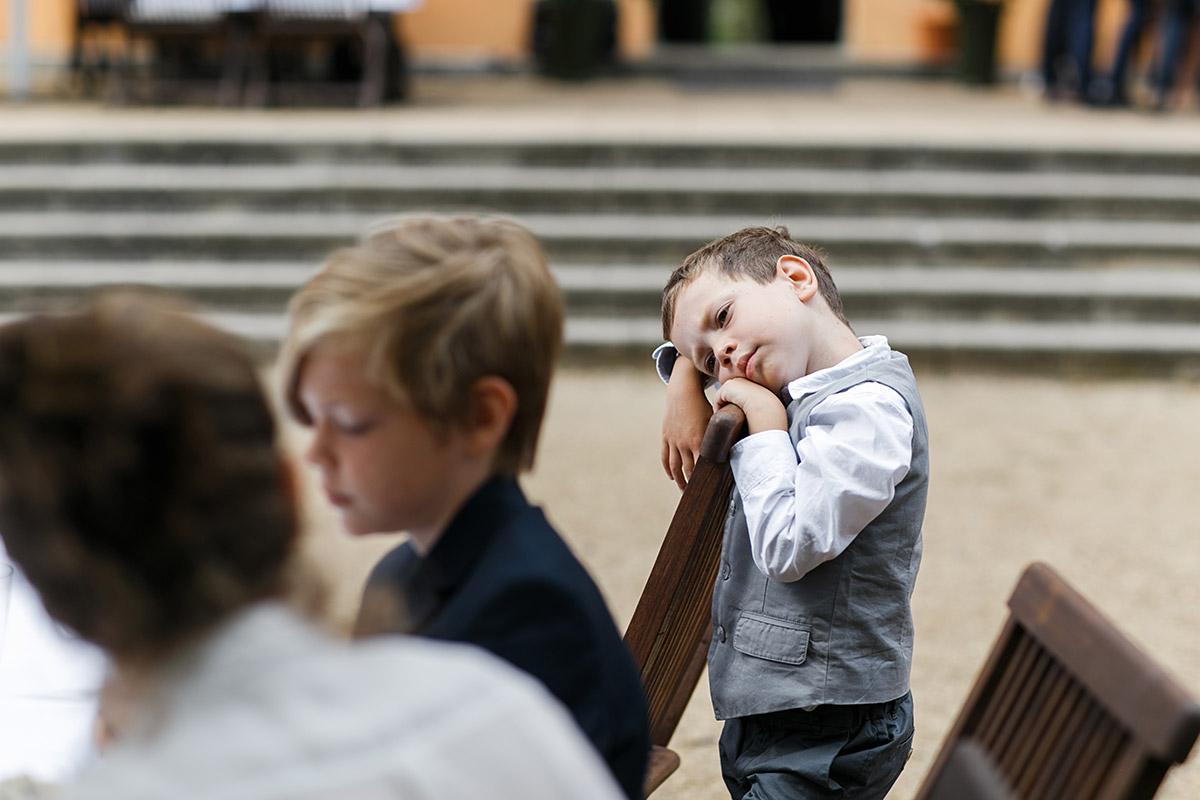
[
  {"x": 805, "y": 502},
  {"x": 268, "y": 708}
]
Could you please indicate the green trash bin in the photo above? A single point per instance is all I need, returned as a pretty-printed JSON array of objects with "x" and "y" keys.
[{"x": 978, "y": 21}]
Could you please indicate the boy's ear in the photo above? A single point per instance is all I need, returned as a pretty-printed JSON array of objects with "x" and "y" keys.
[
  {"x": 492, "y": 408},
  {"x": 799, "y": 273}
]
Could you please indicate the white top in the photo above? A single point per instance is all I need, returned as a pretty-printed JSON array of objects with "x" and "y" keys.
[
  {"x": 49, "y": 684},
  {"x": 269, "y": 708},
  {"x": 805, "y": 502}
]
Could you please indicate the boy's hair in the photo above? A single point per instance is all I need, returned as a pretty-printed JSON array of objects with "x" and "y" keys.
[
  {"x": 751, "y": 253},
  {"x": 141, "y": 490},
  {"x": 434, "y": 304}
]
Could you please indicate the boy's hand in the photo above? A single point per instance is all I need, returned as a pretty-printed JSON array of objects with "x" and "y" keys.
[
  {"x": 764, "y": 410},
  {"x": 684, "y": 422}
]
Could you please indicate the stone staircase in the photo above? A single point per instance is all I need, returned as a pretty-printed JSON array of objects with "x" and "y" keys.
[{"x": 1083, "y": 260}]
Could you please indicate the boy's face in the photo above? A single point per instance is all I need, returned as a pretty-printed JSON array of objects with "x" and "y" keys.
[
  {"x": 738, "y": 328},
  {"x": 382, "y": 466}
]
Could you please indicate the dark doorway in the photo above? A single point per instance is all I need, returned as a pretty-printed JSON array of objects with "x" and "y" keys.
[
  {"x": 784, "y": 21},
  {"x": 813, "y": 21}
]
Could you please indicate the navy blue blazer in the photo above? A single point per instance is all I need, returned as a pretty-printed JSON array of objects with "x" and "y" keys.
[{"x": 501, "y": 578}]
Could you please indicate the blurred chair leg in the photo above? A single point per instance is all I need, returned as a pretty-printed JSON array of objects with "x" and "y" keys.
[{"x": 375, "y": 62}]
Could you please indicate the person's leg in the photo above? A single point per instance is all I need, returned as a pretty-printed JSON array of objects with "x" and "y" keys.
[
  {"x": 1131, "y": 36},
  {"x": 1176, "y": 23},
  {"x": 873, "y": 759},
  {"x": 842, "y": 752},
  {"x": 1081, "y": 36},
  {"x": 729, "y": 748},
  {"x": 1053, "y": 43}
]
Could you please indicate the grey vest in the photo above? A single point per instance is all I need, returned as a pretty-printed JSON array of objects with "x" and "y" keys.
[{"x": 843, "y": 633}]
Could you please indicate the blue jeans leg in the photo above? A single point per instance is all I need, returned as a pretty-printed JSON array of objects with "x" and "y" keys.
[
  {"x": 1081, "y": 37},
  {"x": 1131, "y": 36},
  {"x": 1177, "y": 21}
]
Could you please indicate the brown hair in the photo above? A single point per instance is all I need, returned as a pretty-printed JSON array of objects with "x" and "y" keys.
[
  {"x": 140, "y": 487},
  {"x": 435, "y": 304},
  {"x": 751, "y": 254}
]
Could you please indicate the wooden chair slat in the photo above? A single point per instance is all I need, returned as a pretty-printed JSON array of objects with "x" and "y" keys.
[{"x": 1137, "y": 691}]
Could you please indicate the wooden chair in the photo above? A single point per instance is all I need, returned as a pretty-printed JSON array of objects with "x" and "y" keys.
[
  {"x": 97, "y": 23},
  {"x": 183, "y": 31},
  {"x": 1067, "y": 708},
  {"x": 669, "y": 632},
  {"x": 293, "y": 27}
]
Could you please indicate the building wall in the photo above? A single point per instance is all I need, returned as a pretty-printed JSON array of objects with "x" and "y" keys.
[
  {"x": 49, "y": 25},
  {"x": 474, "y": 31},
  {"x": 898, "y": 31}
]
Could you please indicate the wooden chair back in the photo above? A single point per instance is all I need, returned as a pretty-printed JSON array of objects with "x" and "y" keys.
[
  {"x": 1067, "y": 708},
  {"x": 669, "y": 632}
]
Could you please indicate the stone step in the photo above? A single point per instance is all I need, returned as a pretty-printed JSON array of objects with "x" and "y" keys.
[
  {"x": 634, "y": 290},
  {"x": 1086, "y": 348},
  {"x": 275, "y": 146},
  {"x": 251, "y": 286},
  {"x": 588, "y": 189},
  {"x": 1082, "y": 259},
  {"x": 899, "y": 241}
]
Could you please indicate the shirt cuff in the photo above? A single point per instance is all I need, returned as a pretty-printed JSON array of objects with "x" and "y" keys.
[
  {"x": 762, "y": 456},
  {"x": 664, "y": 360},
  {"x": 665, "y": 356}
]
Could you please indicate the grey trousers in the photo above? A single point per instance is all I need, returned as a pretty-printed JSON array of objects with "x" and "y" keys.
[{"x": 844, "y": 752}]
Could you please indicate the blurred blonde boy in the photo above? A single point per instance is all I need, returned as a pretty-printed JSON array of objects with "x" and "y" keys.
[{"x": 421, "y": 360}]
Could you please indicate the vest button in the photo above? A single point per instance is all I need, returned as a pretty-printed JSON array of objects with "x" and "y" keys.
[
  {"x": 720, "y": 634},
  {"x": 725, "y": 571}
]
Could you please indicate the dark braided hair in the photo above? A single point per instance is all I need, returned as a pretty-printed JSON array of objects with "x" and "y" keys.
[{"x": 140, "y": 487}]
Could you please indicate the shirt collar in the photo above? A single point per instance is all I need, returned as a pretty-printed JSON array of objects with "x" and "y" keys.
[{"x": 875, "y": 349}]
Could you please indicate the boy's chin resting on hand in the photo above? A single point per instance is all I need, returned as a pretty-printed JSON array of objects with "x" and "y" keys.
[{"x": 764, "y": 410}]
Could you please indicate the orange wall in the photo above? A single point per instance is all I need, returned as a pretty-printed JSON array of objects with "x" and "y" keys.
[
  {"x": 890, "y": 31},
  {"x": 49, "y": 25},
  {"x": 875, "y": 31},
  {"x": 499, "y": 29}
]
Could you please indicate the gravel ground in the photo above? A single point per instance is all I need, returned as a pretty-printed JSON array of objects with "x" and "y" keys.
[{"x": 1096, "y": 478}]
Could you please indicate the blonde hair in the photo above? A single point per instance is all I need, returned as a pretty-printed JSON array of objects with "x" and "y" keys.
[
  {"x": 434, "y": 304},
  {"x": 749, "y": 254}
]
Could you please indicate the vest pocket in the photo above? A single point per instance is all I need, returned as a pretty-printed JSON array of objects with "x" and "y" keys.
[{"x": 771, "y": 638}]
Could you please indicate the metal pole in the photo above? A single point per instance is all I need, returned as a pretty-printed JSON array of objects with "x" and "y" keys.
[{"x": 18, "y": 53}]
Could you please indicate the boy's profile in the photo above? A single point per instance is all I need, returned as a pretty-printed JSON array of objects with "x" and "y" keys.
[
  {"x": 421, "y": 359},
  {"x": 143, "y": 494},
  {"x": 812, "y": 629}
]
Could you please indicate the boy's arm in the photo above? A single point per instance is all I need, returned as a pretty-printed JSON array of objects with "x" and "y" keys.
[
  {"x": 684, "y": 420},
  {"x": 805, "y": 502}
]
